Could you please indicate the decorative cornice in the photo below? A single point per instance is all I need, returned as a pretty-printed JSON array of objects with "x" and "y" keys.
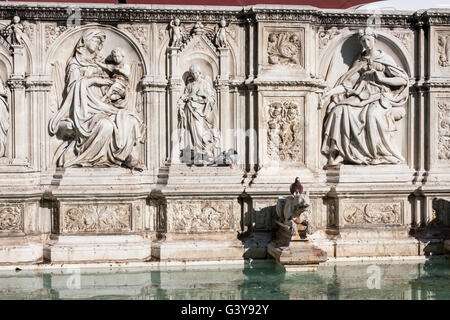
[
  {"x": 436, "y": 17},
  {"x": 114, "y": 14}
]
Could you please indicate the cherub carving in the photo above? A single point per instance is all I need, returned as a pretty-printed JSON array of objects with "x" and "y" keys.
[
  {"x": 176, "y": 33},
  {"x": 220, "y": 38},
  {"x": 15, "y": 31}
]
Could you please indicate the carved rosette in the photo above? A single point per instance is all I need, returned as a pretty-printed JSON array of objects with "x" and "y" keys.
[
  {"x": 372, "y": 213},
  {"x": 284, "y": 135},
  {"x": 284, "y": 48},
  {"x": 11, "y": 217},
  {"x": 443, "y": 50},
  {"x": 443, "y": 150},
  {"x": 200, "y": 216},
  {"x": 96, "y": 218}
]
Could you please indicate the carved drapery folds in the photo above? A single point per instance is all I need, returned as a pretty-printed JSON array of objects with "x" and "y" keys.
[
  {"x": 284, "y": 136},
  {"x": 372, "y": 213},
  {"x": 94, "y": 120},
  {"x": 199, "y": 137},
  {"x": 364, "y": 107},
  {"x": 443, "y": 109},
  {"x": 96, "y": 218}
]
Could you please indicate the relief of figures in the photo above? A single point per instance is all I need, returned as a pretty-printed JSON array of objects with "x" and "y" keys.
[
  {"x": 4, "y": 119},
  {"x": 444, "y": 50},
  {"x": 198, "y": 120},
  {"x": 284, "y": 137},
  {"x": 93, "y": 119},
  {"x": 363, "y": 109}
]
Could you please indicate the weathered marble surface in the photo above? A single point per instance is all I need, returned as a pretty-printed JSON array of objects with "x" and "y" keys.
[{"x": 131, "y": 132}]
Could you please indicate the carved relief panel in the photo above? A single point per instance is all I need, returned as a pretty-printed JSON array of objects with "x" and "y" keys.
[
  {"x": 107, "y": 128},
  {"x": 98, "y": 217},
  {"x": 11, "y": 217},
  {"x": 440, "y": 53},
  {"x": 372, "y": 213},
  {"x": 199, "y": 216},
  {"x": 285, "y": 131},
  {"x": 284, "y": 47},
  {"x": 443, "y": 131},
  {"x": 443, "y": 50}
]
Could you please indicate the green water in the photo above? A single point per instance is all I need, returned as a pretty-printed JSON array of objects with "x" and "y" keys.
[{"x": 426, "y": 280}]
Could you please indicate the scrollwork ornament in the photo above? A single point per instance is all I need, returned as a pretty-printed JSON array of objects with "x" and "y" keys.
[
  {"x": 11, "y": 218},
  {"x": 443, "y": 146},
  {"x": 372, "y": 213}
]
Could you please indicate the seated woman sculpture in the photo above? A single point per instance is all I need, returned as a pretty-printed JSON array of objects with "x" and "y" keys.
[
  {"x": 96, "y": 133},
  {"x": 365, "y": 105}
]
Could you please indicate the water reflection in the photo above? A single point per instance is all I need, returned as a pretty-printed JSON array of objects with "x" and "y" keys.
[{"x": 429, "y": 280}]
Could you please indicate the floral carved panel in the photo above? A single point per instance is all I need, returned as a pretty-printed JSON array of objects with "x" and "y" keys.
[
  {"x": 11, "y": 217},
  {"x": 97, "y": 218},
  {"x": 200, "y": 216},
  {"x": 443, "y": 146},
  {"x": 382, "y": 213},
  {"x": 285, "y": 138},
  {"x": 285, "y": 48}
]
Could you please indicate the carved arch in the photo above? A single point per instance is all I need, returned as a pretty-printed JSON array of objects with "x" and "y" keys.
[
  {"x": 137, "y": 47},
  {"x": 209, "y": 57},
  {"x": 337, "y": 44}
]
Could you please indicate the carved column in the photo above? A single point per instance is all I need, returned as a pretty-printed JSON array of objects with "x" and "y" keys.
[
  {"x": 226, "y": 113},
  {"x": 37, "y": 89},
  {"x": 19, "y": 114},
  {"x": 174, "y": 89}
]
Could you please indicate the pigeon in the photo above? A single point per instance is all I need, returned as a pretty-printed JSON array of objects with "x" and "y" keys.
[
  {"x": 296, "y": 187},
  {"x": 132, "y": 164},
  {"x": 227, "y": 158},
  {"x": 231, "y": 157}
]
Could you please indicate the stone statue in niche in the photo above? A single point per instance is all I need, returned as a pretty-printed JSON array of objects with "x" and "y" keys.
[
  {"x": 220, "y": 39},
  {"x": 4, "y": 119},
  {"x": 365, "y": 105},
  {"x": 198, "y": 120},
  {"x": 93, "y": 121},
  {"x": 283, "y": 48},
  {"x": 14, "y": 31},
  {"x": 177, "y": 33}
]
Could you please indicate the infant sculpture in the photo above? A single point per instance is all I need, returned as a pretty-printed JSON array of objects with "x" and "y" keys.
[
  {"x": 93, "y": 121},
  {"x": 365, "y": 105}
]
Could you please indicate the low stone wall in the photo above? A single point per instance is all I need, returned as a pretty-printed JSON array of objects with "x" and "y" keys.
[{"x": 130, "y": 133}]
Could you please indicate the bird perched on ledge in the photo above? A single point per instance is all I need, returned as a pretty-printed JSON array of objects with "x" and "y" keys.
[{"x": 296, "y": 187}]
